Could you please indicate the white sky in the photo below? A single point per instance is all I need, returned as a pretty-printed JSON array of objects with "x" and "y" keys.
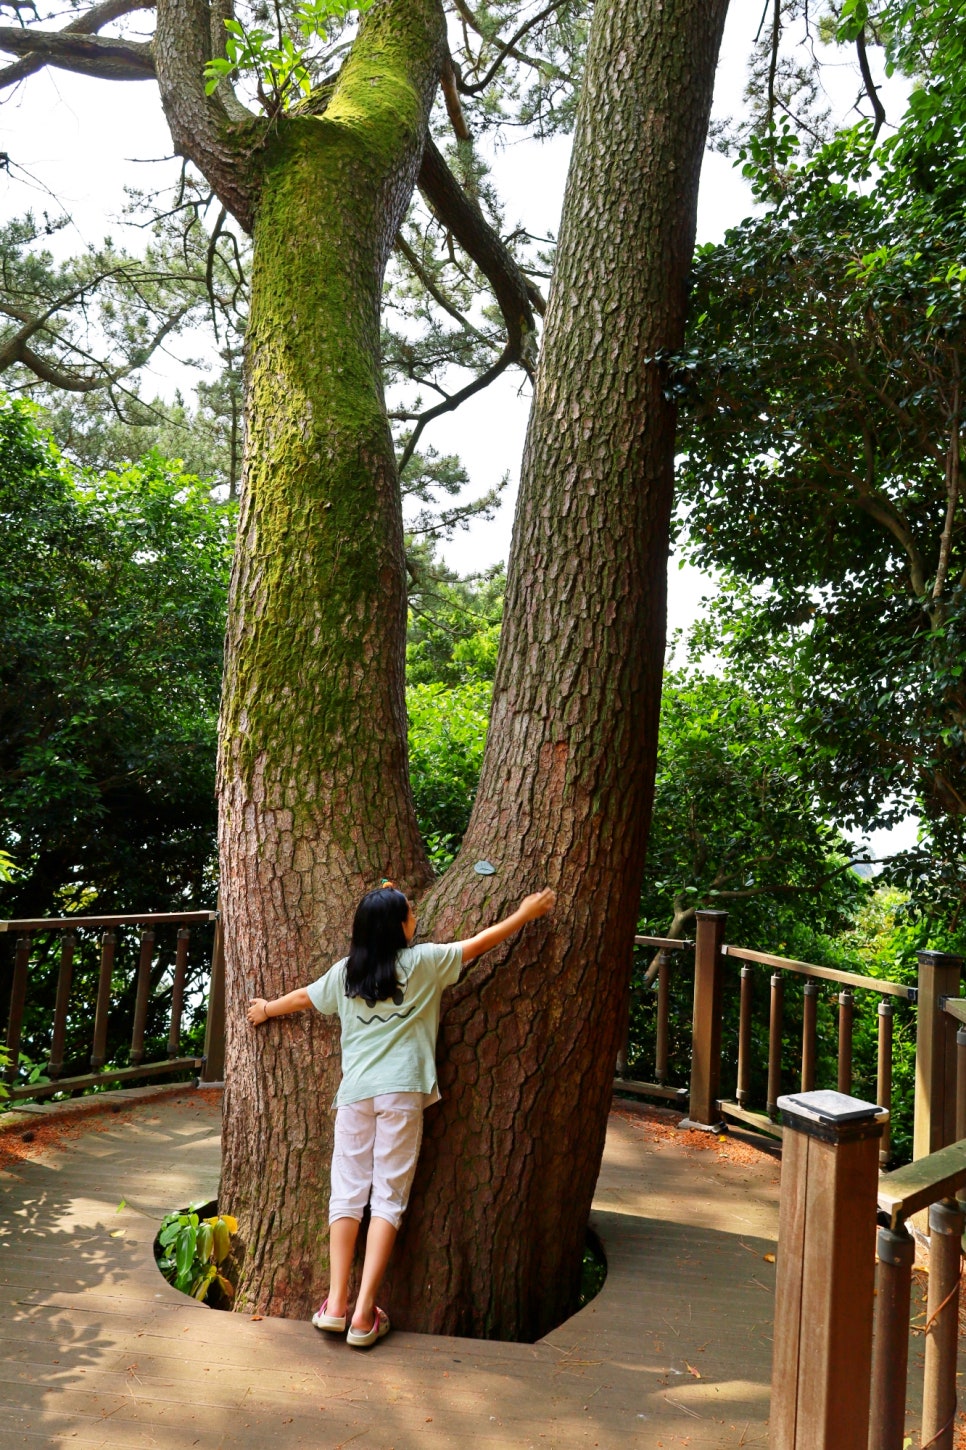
[{"x": 74, "y": 144}]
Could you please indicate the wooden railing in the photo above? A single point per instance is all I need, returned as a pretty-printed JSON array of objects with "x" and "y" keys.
[
  {"x": 842, "y": 1324},
  {"x": 660, "y": 1087},
  {"x": 940, "y": 1096},
  {"x": 738, "y": 1108},
  {"x": 67, "y": 932}
]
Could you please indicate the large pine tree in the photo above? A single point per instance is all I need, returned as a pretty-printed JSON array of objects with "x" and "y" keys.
[{"x": 314, "y": 795}]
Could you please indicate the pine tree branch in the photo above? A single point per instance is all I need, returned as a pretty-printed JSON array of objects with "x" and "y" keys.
[
  {"x": 870, "y": 87},
  {"x": 452, "y": 403},
  {"x": 87, "y": 24},
  {"x": 68, "y": 49},
  {"x": 205, "y": 129},
  {"x": 517, "y": 296},
  {"x": 405, "y": 250},
  {"x": 17, "y": 351},
  {"x": 509, "y": 47}
]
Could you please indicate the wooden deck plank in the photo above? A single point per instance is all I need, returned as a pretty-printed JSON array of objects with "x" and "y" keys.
[{"x": 97, "y": 1351}]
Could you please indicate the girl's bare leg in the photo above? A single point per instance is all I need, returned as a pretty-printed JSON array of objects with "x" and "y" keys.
[
  {"x": 343, "y": 1233},
  {"x": 379, "y": 1246}
]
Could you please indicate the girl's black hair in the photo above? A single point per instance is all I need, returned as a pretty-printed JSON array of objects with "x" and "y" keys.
[{"x": 377, "y": 938}]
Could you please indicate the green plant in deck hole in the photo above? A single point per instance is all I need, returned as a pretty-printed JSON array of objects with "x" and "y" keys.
[
  {"x": 193, "y": 1251},
  {"x": 280, "y": 68}
]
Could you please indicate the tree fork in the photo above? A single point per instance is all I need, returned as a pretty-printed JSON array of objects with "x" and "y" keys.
[{"x": 494, "y": 1240}]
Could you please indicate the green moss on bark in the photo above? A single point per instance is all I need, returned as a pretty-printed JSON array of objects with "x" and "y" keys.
[
  {"x": 319, "y": 593},
  {"x": 313, "y": 779}
]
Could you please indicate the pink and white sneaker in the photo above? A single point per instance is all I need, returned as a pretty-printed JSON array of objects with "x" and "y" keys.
[{"x": 334, "y": 1323}]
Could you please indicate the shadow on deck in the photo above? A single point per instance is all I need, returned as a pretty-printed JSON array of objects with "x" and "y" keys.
[{"x": 99, "y": 1351}]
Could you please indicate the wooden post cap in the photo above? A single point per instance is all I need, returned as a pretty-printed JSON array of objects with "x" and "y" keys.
[
  {"x": 939, "y": 959},
  {"x": 832, "y": 1116}
]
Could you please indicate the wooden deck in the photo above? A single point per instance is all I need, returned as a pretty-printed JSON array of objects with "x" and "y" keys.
[{"x": 99, "y": 1351}]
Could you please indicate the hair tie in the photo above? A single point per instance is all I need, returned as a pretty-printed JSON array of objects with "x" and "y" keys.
[{"x": 386, "y": 882}]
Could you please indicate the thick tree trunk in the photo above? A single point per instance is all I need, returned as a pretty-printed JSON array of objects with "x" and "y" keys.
[
  {"x": 494, "y": 1240},
  {"x": 314, "y": 797}
]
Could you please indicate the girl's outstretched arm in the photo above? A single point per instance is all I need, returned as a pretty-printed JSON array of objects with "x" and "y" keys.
[
  {"x": 297, "y": 1001},
  {"x": 529, "y": 909}
]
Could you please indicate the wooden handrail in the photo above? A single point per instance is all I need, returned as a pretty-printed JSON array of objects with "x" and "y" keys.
[
  {"x": 28, "y": 930},
  {"x": 667, "y": 943},
  {"x": 908, "y": 1190},
  {"x": 955, "y": 1006},
  {"x": 831, "y": 974},
  {"x": 61, "y": 923},
  {"x": 94, "y": 1079}
]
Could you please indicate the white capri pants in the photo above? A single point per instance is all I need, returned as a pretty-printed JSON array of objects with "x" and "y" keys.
[{"x": 377, "y": 1142}]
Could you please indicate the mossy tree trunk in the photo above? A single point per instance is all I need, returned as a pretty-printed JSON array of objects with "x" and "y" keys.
[
  {"x": 494, "y": 1239},
  {"x": 314, "y": 796},
  {"x": 314, "y": 790}
]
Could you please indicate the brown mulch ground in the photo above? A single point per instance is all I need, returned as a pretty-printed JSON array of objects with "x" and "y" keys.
[
  {"x": 661, "y": 1125},
  {"x": 31, "y": 1138}
]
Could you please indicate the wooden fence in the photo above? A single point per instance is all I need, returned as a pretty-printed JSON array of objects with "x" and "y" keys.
[
  {"x": 66, "y": 933},
  {"x": 846, "y": 1252},
  {"x": 934, "y": 1002}
]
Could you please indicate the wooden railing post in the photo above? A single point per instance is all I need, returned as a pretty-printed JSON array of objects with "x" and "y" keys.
[
  {"x": 143, "y": 995},
  {"x": 775, "y": 1016},
  {"x": 883, "y": 1076},
  {"x": 18, "y": 999},
  {"x": 703, "y": 1109},
  {"x": 99, "y": 1054},
  {"x": 663, "y": 1008},
  {"x": 895, "y": 1251},
  {"x": 942, "y": 1324},
  {"x": 623, "y": 1051},
  {"x": 213, "y": 1069},
  {"x": 822, "y": 1366},
  {"x": 177, "y": 990},
  {"x": 935, "y": 1111},
  {"x": 809, "y": 1034},
  {"x": 65, "y": 977},
  {"x": 743, "y": 1089}
]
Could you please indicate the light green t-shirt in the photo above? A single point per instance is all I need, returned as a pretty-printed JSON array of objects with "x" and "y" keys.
[{"x": 390, "y": 1047}]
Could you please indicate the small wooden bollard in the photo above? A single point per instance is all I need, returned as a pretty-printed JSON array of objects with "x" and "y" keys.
[{"x": 822, "y": 1366}]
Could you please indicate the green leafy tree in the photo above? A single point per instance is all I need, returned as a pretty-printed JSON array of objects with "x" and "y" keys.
[
  {"x": 821, "y": 454},
  {"x": 112, "y": 602},
  {"x": 454, "y": 623},
  {"x": 736, "y": 825}
]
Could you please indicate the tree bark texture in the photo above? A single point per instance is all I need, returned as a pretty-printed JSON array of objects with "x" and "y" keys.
[
  {"x": 494, "y": 1239},
  {"x": 315, "y": 805}
]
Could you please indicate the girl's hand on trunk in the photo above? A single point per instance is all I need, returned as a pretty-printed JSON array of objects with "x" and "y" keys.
[
  {"x": 537, "y": 904},
  {"x": 257, "y": 1011}
]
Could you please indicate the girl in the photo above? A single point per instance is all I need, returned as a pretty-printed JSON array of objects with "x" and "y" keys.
[{"x": 386, "y": 993}]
